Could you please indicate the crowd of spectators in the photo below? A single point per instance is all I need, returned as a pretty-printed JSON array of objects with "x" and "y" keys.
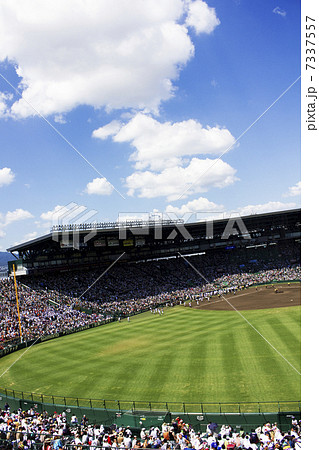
[
  {"x": 28, "y": 430},
  {"x": 152, "y": 278},
  {"x": 51, "y": 303},
  {"x": 38, "y": 316}
]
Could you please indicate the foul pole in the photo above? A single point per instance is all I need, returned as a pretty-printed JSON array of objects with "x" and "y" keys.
[{"x": 16, "y": 289}]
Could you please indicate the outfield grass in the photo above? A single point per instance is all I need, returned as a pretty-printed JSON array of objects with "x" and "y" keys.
[{"x": 184, "y": 356}]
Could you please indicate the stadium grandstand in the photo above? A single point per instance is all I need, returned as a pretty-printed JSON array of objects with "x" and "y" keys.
[
  {"x": 31, "y": 430},
  {"x": 69, "y": 247},
  {"x": 120, "y": 272}
]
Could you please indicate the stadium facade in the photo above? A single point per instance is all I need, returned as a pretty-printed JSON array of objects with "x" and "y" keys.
[{"x": 72, "y": 247}]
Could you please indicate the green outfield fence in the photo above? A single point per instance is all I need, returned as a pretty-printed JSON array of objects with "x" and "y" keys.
[
  {"x": 151, "y": 406},
  {"x": 139, "y": 414}
]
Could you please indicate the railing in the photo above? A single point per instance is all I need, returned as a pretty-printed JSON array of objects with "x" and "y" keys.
[
  {"x": 146, "y": 406},
  {"x": 125, "y": 224},
  {"x": 69, "y": 446},
  {"x": 50, "y": 439}
]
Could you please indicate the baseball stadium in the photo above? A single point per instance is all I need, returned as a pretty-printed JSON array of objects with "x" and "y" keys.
[{"x": 139, "y": 326}]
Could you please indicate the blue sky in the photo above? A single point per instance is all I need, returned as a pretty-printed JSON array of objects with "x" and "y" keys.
[{"x": 135, "y": 107}]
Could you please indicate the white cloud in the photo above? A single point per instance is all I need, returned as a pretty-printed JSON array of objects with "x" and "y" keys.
[
  {"x": 63, "y": 215},
  {"x": 72, "y": 213},
  {"x": 107, "y": 130},
  {"x": 214, "y": 83},
  {"x": 198, "y": 205},
  {"x": 173, "y": 182},
  {"x": 108, "y": 54},
  {"x": 16, "y": 216},
  {"x": 162, "y": 145},
  {"x": 204, "y": 209},
  {"x": 4, "y": 107},
  {"x": 132, "y": 216},
  {"x": 279, "y": 11},
  {"x": 59, "y": 118},
  {"x": 6, "y": 176},
  {"x": 27, "y": 237},
  {"x": 202, "y": 18},
  {"x": 12, "y": 216},
  {"x": 99, "y": 186},
  {"x": 164, "y": 153},
  {"x": 265, "y": 207},
  {"x": 58, "y": 212},
  {"x": 293, "y": 191},
  {"x": 30, "y": 236}
]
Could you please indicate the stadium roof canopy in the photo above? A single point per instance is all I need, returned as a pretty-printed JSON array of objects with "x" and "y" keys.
[{"x": 101, "y": 243}]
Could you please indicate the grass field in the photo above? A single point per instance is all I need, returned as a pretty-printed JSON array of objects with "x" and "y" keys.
[{"x": 186, "y": 355}]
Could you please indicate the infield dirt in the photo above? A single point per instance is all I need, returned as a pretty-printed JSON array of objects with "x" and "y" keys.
[{"x": 257, "y": 297}]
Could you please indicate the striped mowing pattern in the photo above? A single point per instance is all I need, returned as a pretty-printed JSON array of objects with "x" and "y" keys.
[{"x": 186, "y": 355}]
